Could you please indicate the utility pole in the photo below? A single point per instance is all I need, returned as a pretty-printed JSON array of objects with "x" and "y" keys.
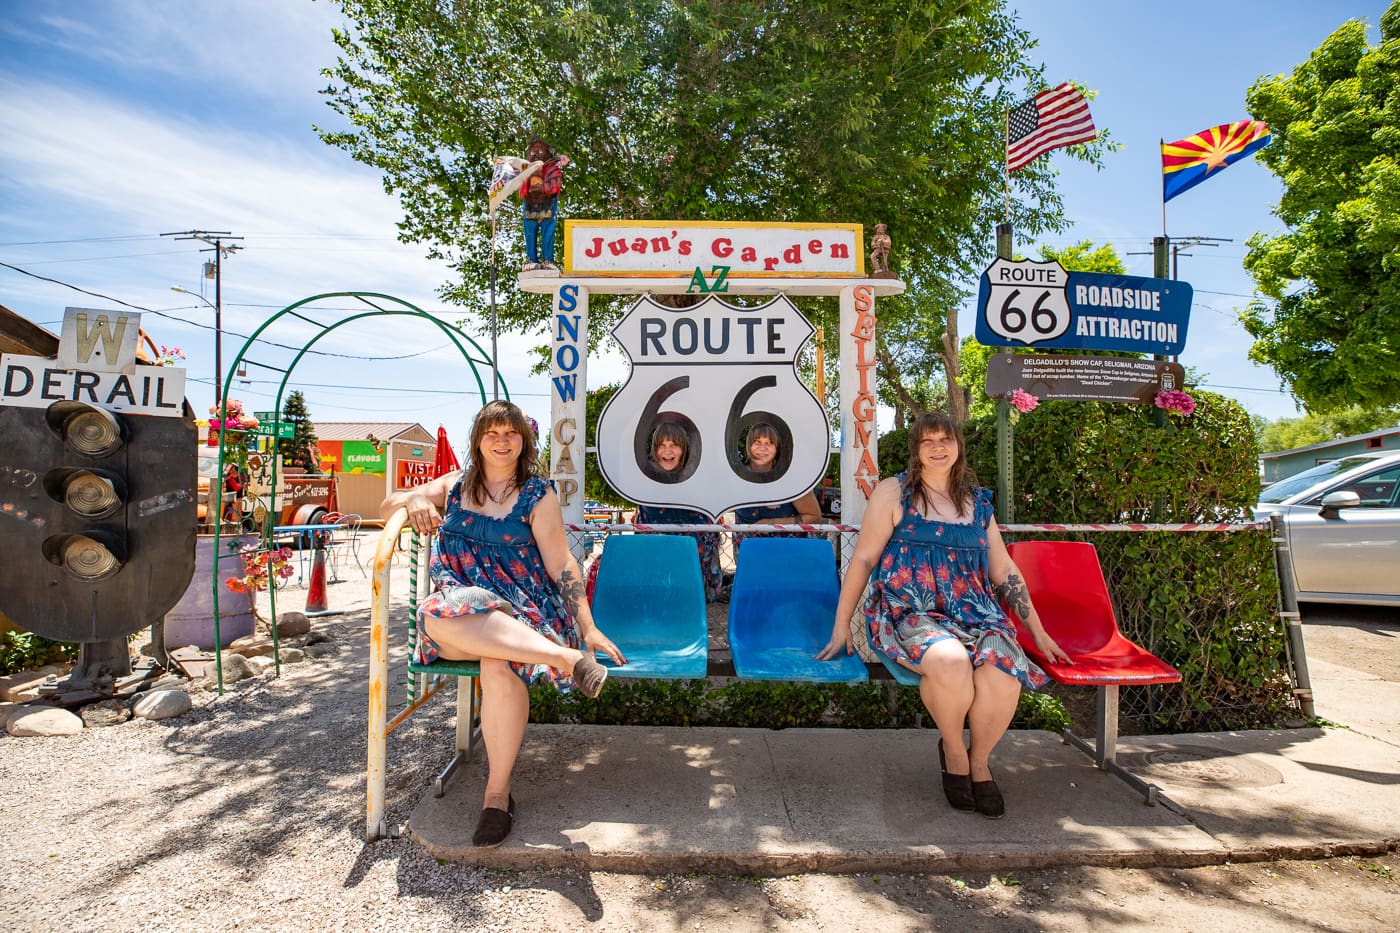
[{"x": 215, "y": 239}]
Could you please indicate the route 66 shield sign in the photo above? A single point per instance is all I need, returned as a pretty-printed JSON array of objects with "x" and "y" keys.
[
  {"x": 1022, "y": 302},
  {"x": 715, "y": 371}
]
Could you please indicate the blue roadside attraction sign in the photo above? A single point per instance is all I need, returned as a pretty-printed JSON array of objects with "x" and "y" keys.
[{"x": 1024, "y": 303}]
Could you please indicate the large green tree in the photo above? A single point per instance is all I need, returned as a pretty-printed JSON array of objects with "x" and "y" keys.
[
  {"x": 1288, "y": 433},
  {"x": 827, "y": 110},
  {"x": 1331, "y": 325}
]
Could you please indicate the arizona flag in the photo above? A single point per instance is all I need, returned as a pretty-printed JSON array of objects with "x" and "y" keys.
[{"x": 1188, "y": 162}]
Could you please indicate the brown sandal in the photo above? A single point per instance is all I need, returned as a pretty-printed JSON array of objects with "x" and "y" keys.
[
  {"x": 589, "y": 675},
  {"x": 494, "y": 825}
]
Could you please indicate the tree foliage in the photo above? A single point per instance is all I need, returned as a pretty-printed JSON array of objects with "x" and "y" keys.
[
  {"x": 296, "y": 450},
  {"x": 1288, "y": 433},
  {"x": 704, "y": 110},
  {"x": 1331, "y": 325}
]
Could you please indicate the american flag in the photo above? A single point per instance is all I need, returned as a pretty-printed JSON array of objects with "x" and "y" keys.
[{"x": 1052, "y": 119}]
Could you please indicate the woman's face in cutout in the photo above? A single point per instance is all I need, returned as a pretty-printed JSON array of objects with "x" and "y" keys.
[
  {"x": 763, "y": 450},
  {"x": 669, "y": 455}
]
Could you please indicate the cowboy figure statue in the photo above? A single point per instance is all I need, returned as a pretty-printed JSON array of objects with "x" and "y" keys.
[{"x": 540, "y": 206}]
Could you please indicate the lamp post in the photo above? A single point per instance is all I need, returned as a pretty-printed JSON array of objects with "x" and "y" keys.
[{"x": 218, "y": 340}]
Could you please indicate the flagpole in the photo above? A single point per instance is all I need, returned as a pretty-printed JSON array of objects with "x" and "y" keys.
[
  {"x": 1005, "y": 164},
  {"x": 495, "y": 370},
  {"x": 1161, "y": 147}
]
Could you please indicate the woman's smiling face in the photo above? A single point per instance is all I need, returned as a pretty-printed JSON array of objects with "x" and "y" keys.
[
  {"x": 669, "y": 455},
  {"x": 938, "y": 452},
  {"x": 501, "y": 444}
]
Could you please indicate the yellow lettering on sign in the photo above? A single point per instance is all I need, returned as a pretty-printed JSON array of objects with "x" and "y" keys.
[{"x": 90, "y": 333}]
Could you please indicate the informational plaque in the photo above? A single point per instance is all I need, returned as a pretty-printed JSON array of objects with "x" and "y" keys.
[{"x": 1082, "y": 378}]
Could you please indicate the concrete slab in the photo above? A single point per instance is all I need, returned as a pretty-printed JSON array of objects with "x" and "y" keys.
[
  {"x": 1297, "y": 793},
  {"x": 764, "y": 802},
  {"x": 1361, "y": 701}
]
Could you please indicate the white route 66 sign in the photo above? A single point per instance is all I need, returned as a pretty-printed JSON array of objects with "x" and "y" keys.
[
  {"x": 1023, "y": 301},
  {"x": 716, "y": 370}
]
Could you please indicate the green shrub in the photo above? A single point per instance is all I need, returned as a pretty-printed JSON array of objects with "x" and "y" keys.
[
  {"x": 1205, "y": 602},
  {"x": 21, "y": 651}
]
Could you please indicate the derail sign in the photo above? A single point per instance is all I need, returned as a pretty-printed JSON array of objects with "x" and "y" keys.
[
  {"x": 753, "y": 250},
  {"x": 1022, "y": 303},
  {"x": 96, "y": 364}
]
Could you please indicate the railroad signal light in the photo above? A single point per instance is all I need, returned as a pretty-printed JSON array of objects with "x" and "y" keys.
[{"x": 103, "y": 538}]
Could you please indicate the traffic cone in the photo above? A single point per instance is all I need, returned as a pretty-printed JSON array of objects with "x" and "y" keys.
[{"x": 316, "y": 589}]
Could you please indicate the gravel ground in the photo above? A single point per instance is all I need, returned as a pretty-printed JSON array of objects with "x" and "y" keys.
[{"x": 248, "y": 813}]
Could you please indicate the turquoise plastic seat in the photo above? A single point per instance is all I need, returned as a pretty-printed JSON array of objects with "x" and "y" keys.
[
  {"x": 650, "y": 601},
  {"x": 900, "y": 673},
  {"x": 781, "y": 610}
]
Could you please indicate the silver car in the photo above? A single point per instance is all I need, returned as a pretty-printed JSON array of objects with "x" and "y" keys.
[{"x": 1342, "y": 522}]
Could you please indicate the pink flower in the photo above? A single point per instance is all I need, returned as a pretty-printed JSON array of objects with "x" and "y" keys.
[
  {"x": 1176, "y": 400},
  {"x": 1022, "y": 401}
]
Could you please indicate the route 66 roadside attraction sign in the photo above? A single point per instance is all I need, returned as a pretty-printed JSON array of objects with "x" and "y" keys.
[
  {"x": 716, "y": 370},
  {"x": 1021, "y": 303}
]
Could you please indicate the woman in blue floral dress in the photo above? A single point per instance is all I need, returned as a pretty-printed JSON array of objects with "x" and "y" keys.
[
  {"x": 509, "y": 593},
  {"x": 764, "y": 447},
  {"x": 670, "y": 448},
  {"x": 939, "y": 603}
]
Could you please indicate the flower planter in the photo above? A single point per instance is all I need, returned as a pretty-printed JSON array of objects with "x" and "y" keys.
[{"x": 191, "y": 622}]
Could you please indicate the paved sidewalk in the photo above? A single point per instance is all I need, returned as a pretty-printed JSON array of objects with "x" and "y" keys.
[{"x": 773, "y": 802}]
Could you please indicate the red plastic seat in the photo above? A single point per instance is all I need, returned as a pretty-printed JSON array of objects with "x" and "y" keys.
[{"x": 1067, "y": 586}]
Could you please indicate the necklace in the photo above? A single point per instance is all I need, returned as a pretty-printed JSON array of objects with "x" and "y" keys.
[
  {"x": 500, "y": 498},
  {"x": 935, "y": 494}
]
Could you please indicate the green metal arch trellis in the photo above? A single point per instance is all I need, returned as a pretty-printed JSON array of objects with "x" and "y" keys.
[{"x": 380, "y": 305}]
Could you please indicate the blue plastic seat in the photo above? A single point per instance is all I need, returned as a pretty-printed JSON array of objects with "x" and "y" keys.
[
  {"x": 781, "y": 610},
  {"x": 650, "y": 601},
  {"x": 900, "y": 673}
]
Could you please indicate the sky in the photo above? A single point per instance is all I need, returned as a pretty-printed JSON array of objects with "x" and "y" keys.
[{"x": 121, "y": 122}]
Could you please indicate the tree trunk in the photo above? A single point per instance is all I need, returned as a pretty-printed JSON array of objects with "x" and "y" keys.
[{"x": 957, "y": 395}]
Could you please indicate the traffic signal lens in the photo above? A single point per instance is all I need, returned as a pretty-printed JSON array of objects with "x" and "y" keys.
[
  {"x": 86, "y": 556},
  {"x": 92, "y": 431},
  {"x": 88, "y": 559},
  {"x": 91, "y": 495}
]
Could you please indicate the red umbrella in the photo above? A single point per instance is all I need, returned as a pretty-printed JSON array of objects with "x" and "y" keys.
[{"x": 444, "y": 460}]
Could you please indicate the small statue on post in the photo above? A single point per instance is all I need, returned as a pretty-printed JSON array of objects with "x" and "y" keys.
[
  {"x": 539, "y": 207},
  {"x": 880, "y": 253}
]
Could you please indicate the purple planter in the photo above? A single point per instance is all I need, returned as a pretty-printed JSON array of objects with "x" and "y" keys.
[{"x": 191, "y": 622}]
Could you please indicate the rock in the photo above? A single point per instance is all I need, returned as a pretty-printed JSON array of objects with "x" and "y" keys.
[
  {"x": 321, "y": 649},
  {"x": 292, "y": 623},
  {"x": 105, "y": 713},
  {"x": 261, "y": 664},
  {"x": 293, "y": 655},
  {"x": 43, "y": 720},
  {"x": 250, "y": 646},
  {"x": 163, "y": 704},
  {"x": 236, "y": 668},
  {"x": 315, "y": 638},
  {"x": 169, "y": 682},
  {"x": 6, "y": 709}
]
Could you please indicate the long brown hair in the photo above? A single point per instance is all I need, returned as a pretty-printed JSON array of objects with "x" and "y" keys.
[
  {"x": 494, "y": 414},
  {"x": 961, "y": 480}
]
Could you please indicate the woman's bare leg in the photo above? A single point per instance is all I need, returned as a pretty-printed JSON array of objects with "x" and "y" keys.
[
  {"x": 995, "y": 694},
  {"x": 505, "y": 709},
  {"x": 496, "y": 634},
  {"x": 946, "y": 687}
]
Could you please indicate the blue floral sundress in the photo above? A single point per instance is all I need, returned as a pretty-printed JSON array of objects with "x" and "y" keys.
[
  {"x": 933, "y": 582},
  {"x": 752, "y": 515},
  {"x": 482, "y": 563},
  {"x": 707, "y": 542}
]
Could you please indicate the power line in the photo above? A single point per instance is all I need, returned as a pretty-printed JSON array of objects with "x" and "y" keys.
[{"x": 180, "y": 320}]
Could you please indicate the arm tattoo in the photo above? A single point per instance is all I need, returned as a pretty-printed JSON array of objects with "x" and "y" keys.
[
  {"x": 1014, "y": 595},
  {"x": 572, "y": 589}
]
